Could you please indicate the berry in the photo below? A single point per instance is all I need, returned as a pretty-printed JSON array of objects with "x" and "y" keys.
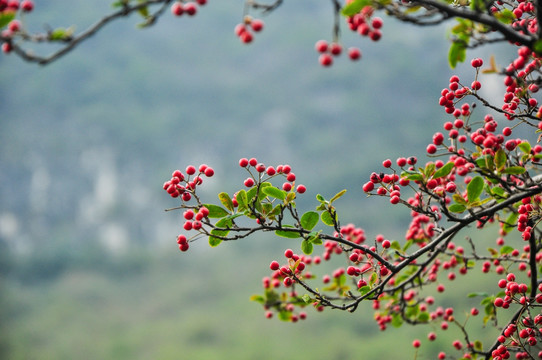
[
  {"x": 243, "y": 162},
  {"x": 253, "y": 162},
  {"x": 321, "y": 46},
  {"x": 274, "y": 265},
  {"x": 325, "y": 60},
  {"x": 301, "y": 189},
  {"x": 335, "y": 49},
  {"x": 377, "y": 23},
  {"x": 177, "y": 9},
  {"x": 27, "y": 6},
  {"x": 249, "y": 182},
  {"x": 354, "y": 53},
  {"x": 288, "y": 253},
  {"x": 190, "y": 8},
  {"x": 190, "y": 170},
  {"x": 257, "y": 25},
  {"x": 209, "y": 172}
]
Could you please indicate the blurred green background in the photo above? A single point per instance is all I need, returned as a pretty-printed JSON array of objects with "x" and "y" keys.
[{"x": 89, "y": 267}]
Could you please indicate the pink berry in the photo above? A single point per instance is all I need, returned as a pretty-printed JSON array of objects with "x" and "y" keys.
[
  {"x": 301, "y": 189},
  {"x": 321, "y": 46},
  {"x": 325, "y": 60},
  {"x": 249, "y": 182},
  {"x": 253, "y": 162},
  {"x": 354, "y": 53},
  {"x": 274, "y": 265},
  {"x": 209, "y": 172},
  {"x": 177, "y": 9},
  {"x": 27, "y": 6},
  {"x": 243, "y": 162},
  {"x": 335, "y": 49},
  {"x": 190, "y": 8},
  {"x": 190, "y": 170},
  {"x": 288, "y": 253},
  {"x": 257, "y": 25}
]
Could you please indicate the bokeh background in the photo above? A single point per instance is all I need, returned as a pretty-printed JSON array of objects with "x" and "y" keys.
[{"x": 89, "y": 267}]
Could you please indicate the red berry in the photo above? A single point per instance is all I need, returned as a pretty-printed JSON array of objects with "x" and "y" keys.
[
  {"x": 209, "y": 172},
  {"x": 27, "y": 5},
  {"x": 190, "y": 8},
  {"x": 190, "y": 170},
  {"x": 325, "y": 60},
  {"x": 240, "y": 29},
  {"x": 290, "y": 177},
  {"x": 249, "y": 182},
  {"x": 286, "y": 186},
  {"x": 416, "y": 343},
  {"x": 243, "y": 162},
  {"x": 271, "y": 171},
  {"x": 321, "y": 46},
  {"x": 354, "y": 53},
  {"x": 335, "y": 49},
  {"x": 286, "y": 169},
  {"x": 301, "y": 189},
  {"x": 257, "y": 25},
  {"x": 183, "y": 247},
  {"x": 274, "y": 265},
  {"x": 188, "y": 214},
  {"x": 246, "y": 37},
  {"x": 253, "y": 162},
  {"x": 177, "y": 9},
  {"x": 6, "y": 47},
  {"x": 201, "y": 2},
  {"x": 181, "y": 239},
  {"x": 377, "y": 23},
  {"x": 288, "y": 253},
  {"x": 188, "y": 225}
]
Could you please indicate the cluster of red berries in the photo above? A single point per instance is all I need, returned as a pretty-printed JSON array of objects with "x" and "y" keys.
[
  {"x": 526, "y": 330},
  {"x": 525, "y": 210},
  {"x": 185, "y": 186},
  {"x": 243, "y": 30},
  {"x": 329, "y": 51},
  {"x": 14, "y": 26},
  {"x": 364, "y": 24},
  {"x": 193, "y": 222},
  {"x": 284, "y": 275},
  {"x": 189, "y": 8},
  {"x": 270, "y": 171}
]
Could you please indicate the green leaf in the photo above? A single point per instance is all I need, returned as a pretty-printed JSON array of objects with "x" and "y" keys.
[
  {"x": 364, "y": 289},
  {"x": 475, "y": 188},
  {"x": 226, "y": 200},
  {"x": 506, "y": 249},
  {"x": 500, "y": 159},
  {"x": 507, "y": 17},
  {"x": 510, "y": 222},
  {"x": 314, "y": 238},
  {"x": 396, "y": 320},
  {"x": 306, "y": 298},
  {"x": 412, "y": 175},
  {"x": 457, "y": 208},
  {"x": 444, "y": 171},
  {"x": 395, "y": 245},
  {"x": 372, "y": 279},
  {"x": 288, "y": 234},
  {"x": 320, "y": 198},
  {"x": 216, "y": 211},
  {"x": 214, "y": 241},
  {"x": 498, "y": 192},
  {"x": 306, "y": 247},
  {"x": 338, "y": 195},
  {"x": 144, "y": 11},
  {"x": 459, "y": 199},
  {"x": 478, "y": 345},
  {"x": 424, "y": 317},
  {"x": 241, "y": 198},
  {"x": 251, "y": 194},
  {"x": 457, "y": 53},
  {"x": 525, "y": 147},
  {"x": 274, "y": 192},
  {"x": 285, "y": 315},
  {"x": 429, "y": 169},
  {"x": 258, "y": 298},
  {"x": 474, "y": 294},
  {"x": 6, "y": 17},
  {"x": 515, "y": 170},
  {"x": 328, "y": 219},
  {"x": 355, "y": 7},
  {"x": 309, "y": 220}
]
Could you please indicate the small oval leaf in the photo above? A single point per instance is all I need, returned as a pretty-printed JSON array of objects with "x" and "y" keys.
[
  {"x": 306, "y": 247},
  {"x": 444, "y": 171},
  {"x": 226, "y": 200},
  {"x": 309, "y": 220},
  {"x": 338, "y": 195},
  {"x": 274, "y": 192},
  {"x": 327, "y": 218},
  {"x": 216, "y": 211},
  {"x": 475, "y": 188}
]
